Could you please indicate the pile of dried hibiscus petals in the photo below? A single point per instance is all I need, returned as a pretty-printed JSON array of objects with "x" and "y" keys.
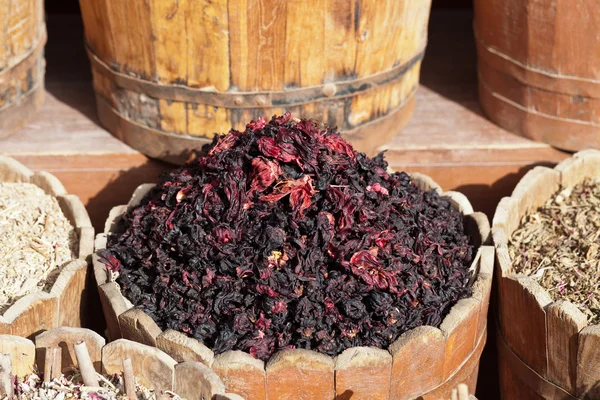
[{"x": 282, "y": 236}]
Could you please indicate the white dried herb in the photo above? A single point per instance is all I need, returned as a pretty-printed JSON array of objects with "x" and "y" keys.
[
  {"x": 36, "y": 240},
  {"x": 559, "y": 245},
  {"x": 71, "y": 386}
]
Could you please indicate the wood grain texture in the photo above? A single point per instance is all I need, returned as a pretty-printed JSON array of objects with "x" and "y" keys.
[
  {"x": 153, "y": 368},
  {"x": 536, "y": 78},
  {"x": 194, "y": 380},
  {"x": 460, "y": 329},
  {"x": 145, "y": 57},
  {"x": 352, "y": 368},
  {"x": 69, "y": 289},
  {"x": 535, "y": 188},
  {"x": 425, "y": 346},
  {"x": 242, "y": 374},
  {"x": 22, "y": 39},
  {"x": 183, "y": 348},
  {"x": 300, "y": 374},
  {"x": 588, "y": 363},
  {"x": 139, "y": 327},
  {"x": 32, "y": 314},
  {"x": 66, "y": 338},
  {"x": 564, "y": 322},
  {"x": 21, "y": 352},
  {"x": 574, "y": 170},
  {"x": 523, "y": 319},
  {"x": 113, "y": 305}
]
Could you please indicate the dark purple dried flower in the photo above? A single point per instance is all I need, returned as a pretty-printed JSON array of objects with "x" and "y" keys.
[{"x": 283, "y": 236}]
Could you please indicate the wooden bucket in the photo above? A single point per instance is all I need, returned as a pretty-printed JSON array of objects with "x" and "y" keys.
[
  {"x": 152, "y": 368},
  {"x": 438, "y": 359},
  {"x": 169, "y": 75},
  {"x": 539, "y": 68},
  {"x": 22, "y": 39},
  {"x": 546, "y": 349},
  {"x": 66, "y": 301}
]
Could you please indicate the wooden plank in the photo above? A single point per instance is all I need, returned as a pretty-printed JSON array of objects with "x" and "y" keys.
[
  {"x": 194, "y": 380},
  {"x": 242, "y": 374},
  {"x": 460, "y": 329},
  {"x": 113, "y": 305},
  {"x": 523, "y": 320},
  {"x": 66, "y": 338},
  {"x": 564, "y": 321},
  {"x": 183, "y": 348},
  {"x": 21, "y": 352},
  {"x": 425, "y": 346},
  {"x": 356, "y": 363},
  {"x": 588, "y": 363},
  {"x": 300, "y": 374},
  {"x": 139, "y": 327},
  {"x": 153, "y": 368},
  {"x": 69, "y": 289},
  {"x": 574, "y": 170},
  {"x": 207, "y": 56},
  {"x": 32, "y": 314}
]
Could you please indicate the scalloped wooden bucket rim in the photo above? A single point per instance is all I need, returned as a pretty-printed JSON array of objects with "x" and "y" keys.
[
  {"x": 466, "y": 312},
  {"x": 75, "y": 211},
  {"x": 532, "y": 191}
]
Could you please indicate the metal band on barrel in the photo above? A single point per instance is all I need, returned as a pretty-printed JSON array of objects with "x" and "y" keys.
[{"x": 265, "y": 99}]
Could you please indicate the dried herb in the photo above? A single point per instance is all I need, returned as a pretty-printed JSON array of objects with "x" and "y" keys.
[
  {"x": 283, "y": 236},
  {"x": 36, "y": 240},
  {"x": 558, "y": 246},
  {"x": 64, "y": 387}
]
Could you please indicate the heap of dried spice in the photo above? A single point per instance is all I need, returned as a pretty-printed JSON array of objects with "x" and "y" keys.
[
  {"x": 283, "y": 236},
  {"x": 559, "y": 245},
  {"x": 32, "y": 387},
  {"x": 36, "y": 240}
]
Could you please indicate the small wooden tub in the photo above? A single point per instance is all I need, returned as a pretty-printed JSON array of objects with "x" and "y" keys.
[
  {"x": 546, "y": 348},
  {"x": 169, "y": 75},
  {"x": 22, "y": 40},
  {"x": 426, "y": 361},
  {"x": 539, "y": 68},
  {"x": 152, "y": 368},
  {"x": 66, "y": 301}
]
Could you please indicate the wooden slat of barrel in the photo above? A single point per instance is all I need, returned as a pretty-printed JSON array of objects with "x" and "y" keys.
[
  {"x": 539, "y": 68},
  {"x": 169, "y": 74},
  {"x": 22, "y": 39}
]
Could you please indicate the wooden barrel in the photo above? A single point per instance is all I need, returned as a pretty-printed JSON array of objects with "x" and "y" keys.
[
  {"x": 438, "y": 358},
  {"x": 170, "y": 74},
  {"x": 65, "y": 304},
  {"x": 150, "y": 367},
  {"x": 546, "y": 349},
  {"x": 539, "y": 68},
  {"x": 22, "y": 39}
]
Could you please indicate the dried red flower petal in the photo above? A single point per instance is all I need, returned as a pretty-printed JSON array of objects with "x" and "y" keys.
[{"x": 282, "y": 236}]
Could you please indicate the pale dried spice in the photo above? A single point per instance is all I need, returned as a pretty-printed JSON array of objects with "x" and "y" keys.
[
  {"x": 558, "y": 245},
  {"x": 36, "y": 241},
  {"x": 71, "y": 387}
]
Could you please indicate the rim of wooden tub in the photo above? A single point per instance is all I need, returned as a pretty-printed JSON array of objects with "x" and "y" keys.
[
  {"x": 448, "y": 355},
  {"x": 41, "y": 310},
  {"x": 152, "y": 367},
  {"x": 561, "y": 343}
]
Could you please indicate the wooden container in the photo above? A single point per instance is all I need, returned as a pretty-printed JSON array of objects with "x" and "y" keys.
[
  {"x": 66, "y": 301},
  {"x": 546, "y": 349},
  {"x": 22, "y": 39},
  {"x": 425, "y": 361},
  {"x": 169, "y": 75},
  {"x": 152, "y": 368},
  {"x": 539, "y": 68}
]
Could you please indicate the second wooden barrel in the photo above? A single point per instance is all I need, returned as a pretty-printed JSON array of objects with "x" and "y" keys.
[
  {"x": 22, "y": 39},
  {"x": 168, "y": 74},
  {"x": 539, "y": 68}
]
